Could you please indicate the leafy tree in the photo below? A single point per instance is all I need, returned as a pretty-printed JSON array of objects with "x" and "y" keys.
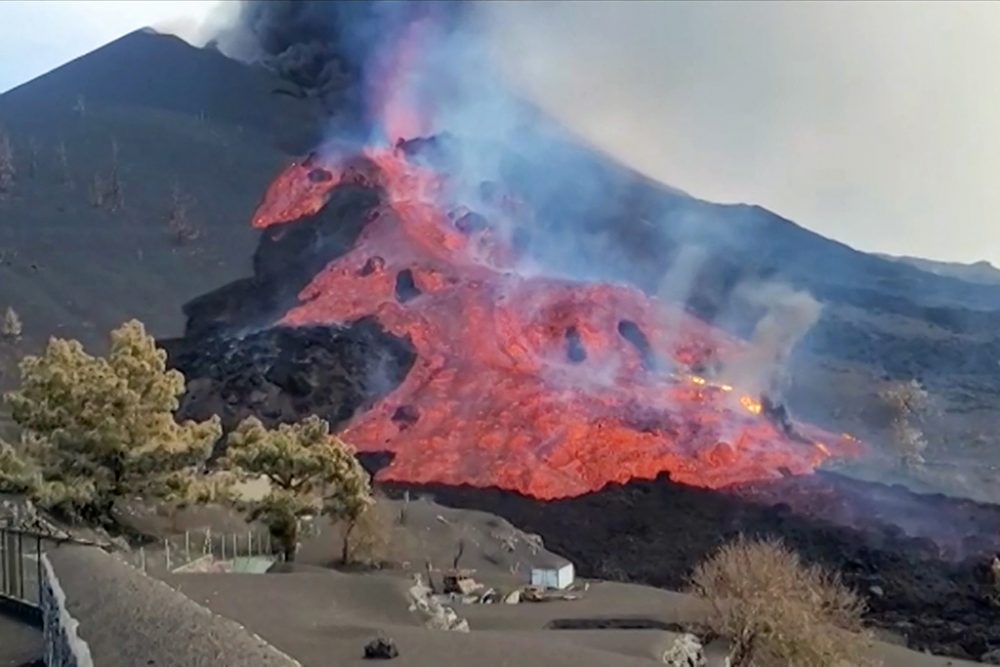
[
  {"x": 907, "y": 404},
  {"x": 16, "y": 475},
  {"x": 100, "y": 429},
  {"x": 776, "y": 611},
  {"x": 309, "y": 471}
]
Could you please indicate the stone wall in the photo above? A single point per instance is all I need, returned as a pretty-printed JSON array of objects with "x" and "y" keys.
[
  {"x": 60, "y": 631},
  {"x": 101, "y": 612}
]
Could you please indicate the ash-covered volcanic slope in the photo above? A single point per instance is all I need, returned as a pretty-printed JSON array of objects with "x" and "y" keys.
[
  {"x": 939, "y": 598},
  {"x": 176, "y": 127}
]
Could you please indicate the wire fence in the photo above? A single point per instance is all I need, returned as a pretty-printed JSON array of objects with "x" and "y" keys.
[{"x": 215, "y": 551}]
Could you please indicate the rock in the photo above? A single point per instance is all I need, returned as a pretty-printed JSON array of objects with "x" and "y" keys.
[
  {"x": 381, "y": 648},
  {"x": 991, "y": 657},
  {"x": 876, "y": 591},
  {"x": 514, "y": 597},
  {"x": 686, "y": 651}
]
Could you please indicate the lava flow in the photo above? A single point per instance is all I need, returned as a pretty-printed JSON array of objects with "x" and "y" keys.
[{"x": 544, "y": 386}]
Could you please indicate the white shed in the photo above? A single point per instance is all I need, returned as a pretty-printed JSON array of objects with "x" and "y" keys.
[{"x": 552, "y": 573}]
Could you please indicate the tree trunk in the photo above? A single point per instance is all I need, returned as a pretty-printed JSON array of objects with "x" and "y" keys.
[
  {"x": 345, "y": 548},
  {"x": 289, "y": 540},
  {"x": 741, "y": 654}
]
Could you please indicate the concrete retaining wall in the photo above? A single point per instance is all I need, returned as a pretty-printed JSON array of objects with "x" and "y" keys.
[{"x": 101, "y": 612}]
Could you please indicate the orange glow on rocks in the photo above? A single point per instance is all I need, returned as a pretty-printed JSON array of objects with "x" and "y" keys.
[{"x": 526, "y": 383}]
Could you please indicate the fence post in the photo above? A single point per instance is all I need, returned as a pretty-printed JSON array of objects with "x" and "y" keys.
[
  {"x": 38, "y": 565},
  {"x": 187, "y": 545},
  {"x": 166, "y": 552},
  {"x": 20, "y": 565},
  {"x": 223, "y": 540},
  {"x": 3, "y": 559},
  {"x": 142, "y": 558},
  {"x": 250, "y": 543}
]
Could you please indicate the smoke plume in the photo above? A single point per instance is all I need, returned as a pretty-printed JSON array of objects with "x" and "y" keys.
[
  {"x": 406, "y": 70},
  {"x": 788, "y": 314}
]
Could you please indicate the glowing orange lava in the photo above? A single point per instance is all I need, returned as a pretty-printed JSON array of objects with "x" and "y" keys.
[{"x": 527, "y": 383}]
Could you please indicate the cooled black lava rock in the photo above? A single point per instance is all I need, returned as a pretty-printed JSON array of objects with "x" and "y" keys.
[
  {"x": 381, "y": 648},
  {"x": 288, "y": 257},
  {"x": 406, "y": 287},
  {"x": 283, "y": 374},
  {"x": 631, "y": 332},
  {"x": 575, "y": 351}
]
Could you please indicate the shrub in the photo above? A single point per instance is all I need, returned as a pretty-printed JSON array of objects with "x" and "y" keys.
[
  {"x": 776, "y": 611},
  {"x": 98, "y": 429}
]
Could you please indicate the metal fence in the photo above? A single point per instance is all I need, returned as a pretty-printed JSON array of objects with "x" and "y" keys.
[
  {"x": 203, "y": 546},
  {"x": 21, "y": 565}
]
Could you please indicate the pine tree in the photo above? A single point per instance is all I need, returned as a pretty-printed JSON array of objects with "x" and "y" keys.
[
  {"x": 104, "y": 428},
  {"x": 309, "y": 470}
]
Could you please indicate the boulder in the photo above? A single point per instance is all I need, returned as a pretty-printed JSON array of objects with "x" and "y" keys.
[{"x": 381, "y": 648}]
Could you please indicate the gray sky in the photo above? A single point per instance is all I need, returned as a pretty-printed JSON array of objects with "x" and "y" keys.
[{"x": 877, "y": 124}]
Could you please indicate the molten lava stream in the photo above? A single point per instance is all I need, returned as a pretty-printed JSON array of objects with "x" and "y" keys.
[{"x": 547, "y": 387}]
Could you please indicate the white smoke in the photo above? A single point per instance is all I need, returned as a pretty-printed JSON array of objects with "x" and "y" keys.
[{"x": 789, "y": 314}]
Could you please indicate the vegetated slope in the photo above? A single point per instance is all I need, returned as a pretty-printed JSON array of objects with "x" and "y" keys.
[{"x": 190, "y": 133}]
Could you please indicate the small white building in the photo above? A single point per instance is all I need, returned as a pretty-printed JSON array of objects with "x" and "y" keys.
[{"x": 552, "y": 572}]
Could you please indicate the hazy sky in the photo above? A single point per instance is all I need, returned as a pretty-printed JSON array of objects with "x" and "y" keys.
[{"x": 877, "y": 124}]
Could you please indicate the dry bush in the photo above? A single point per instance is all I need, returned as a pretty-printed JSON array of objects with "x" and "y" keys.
[
  {"x": 777, "y": 611},
  {"x": 367, "y": 539},
  {"x": 11, "y": 327},
  {"x": 179, "y": 222},
  {"x": 907, "y": 403},
  {"x": 8, "y": 172}
]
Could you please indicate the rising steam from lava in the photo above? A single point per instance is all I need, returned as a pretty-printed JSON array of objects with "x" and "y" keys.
[{"x": 527, "y": 378}]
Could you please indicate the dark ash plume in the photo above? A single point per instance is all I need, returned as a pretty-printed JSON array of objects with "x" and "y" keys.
[{"x": 324, "y": 48}]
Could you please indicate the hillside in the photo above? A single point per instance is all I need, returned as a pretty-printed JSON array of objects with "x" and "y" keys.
[
  {"x": 179, "y": 119},
  {"x": 220, "y": 130},
  {"x": 977, "y": 272}
]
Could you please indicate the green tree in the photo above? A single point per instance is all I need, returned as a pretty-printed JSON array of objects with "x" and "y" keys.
[
  {"x": 16, "y": 475},
  {"x": 309, "y": 471},
  {"x": 100, "y": 429}
]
